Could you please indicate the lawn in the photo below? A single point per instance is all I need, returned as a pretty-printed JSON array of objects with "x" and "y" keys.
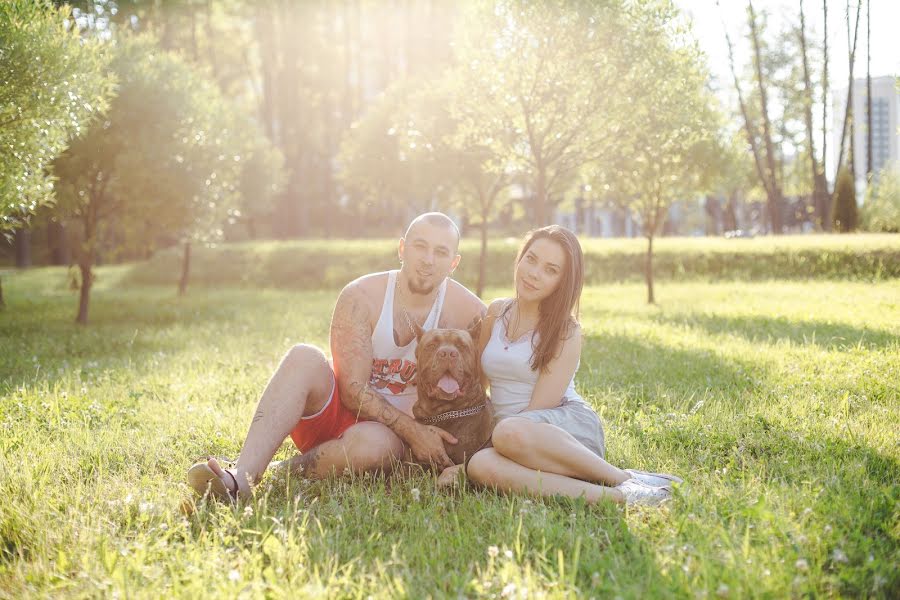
[{"x": 778, "y": 402}]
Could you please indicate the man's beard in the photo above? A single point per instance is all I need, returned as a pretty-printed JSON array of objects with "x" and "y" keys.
[{"x": 414, "y": 288}]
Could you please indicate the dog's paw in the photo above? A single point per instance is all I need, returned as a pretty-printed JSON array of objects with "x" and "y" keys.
[{"x": 449, "y": 477}]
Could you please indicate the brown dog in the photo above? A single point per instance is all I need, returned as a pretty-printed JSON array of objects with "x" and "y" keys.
[{"x": 448, "y": 378}]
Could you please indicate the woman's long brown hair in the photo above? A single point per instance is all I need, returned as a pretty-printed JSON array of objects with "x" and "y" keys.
[{"x": 558, "y": 312}]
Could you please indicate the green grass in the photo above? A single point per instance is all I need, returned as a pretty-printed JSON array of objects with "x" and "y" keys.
[{"x": 778, "y": 402}]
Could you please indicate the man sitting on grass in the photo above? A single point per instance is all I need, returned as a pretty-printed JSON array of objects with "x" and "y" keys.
[{"x": 356, "y": 413}]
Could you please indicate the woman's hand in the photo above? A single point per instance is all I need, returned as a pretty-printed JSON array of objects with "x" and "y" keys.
[{"x": 449, "y": 477}]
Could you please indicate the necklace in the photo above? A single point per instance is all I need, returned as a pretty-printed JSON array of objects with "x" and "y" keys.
[
  {"x": 409, "y": 321},
  {"x": 510, "y": 328}
]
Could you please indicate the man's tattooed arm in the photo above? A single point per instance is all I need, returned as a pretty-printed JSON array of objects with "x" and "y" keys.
[{"x": 351, "y": 348}]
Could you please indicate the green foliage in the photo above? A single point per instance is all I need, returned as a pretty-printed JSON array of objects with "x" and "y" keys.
[
  {"x": 672, "y": 149},
  {"x": 321, "y": 264},
  {"x": 844, "y": 216},
  {"x": 776, "y": 401},
  {"x": 381, "y": 165},
  {"x": 51, "y": 84},
  {"x": 550, "y": 82},
  {"x": 881, "y": 210}
]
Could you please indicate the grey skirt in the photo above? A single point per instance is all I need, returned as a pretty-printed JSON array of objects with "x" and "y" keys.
[{"x": 575, "y": 417}]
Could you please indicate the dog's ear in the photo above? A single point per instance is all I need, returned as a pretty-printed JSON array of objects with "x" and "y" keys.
[
  {"x": 475, "y": 331},
  {"x": 419, "y": 331}
]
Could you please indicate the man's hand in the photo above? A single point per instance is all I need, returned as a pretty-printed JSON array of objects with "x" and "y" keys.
[{"x": 426, "y": 443}]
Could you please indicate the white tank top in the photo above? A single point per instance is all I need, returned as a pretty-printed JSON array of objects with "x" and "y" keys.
[
  {"x": 507, "y": 364},
  {"x": 394, "y": 367}
]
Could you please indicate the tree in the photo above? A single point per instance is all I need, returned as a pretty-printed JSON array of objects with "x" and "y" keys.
[
  {"x": 672, "y": 154},
  {"x": 557, "y": 75},
  {"x": 819, "y": 182},
  {"x": 452, "y": 129},
  {"x": 845, "y": 210},
  {"x": 51, "y": 84},
  {"x": 160, "y": 162}
]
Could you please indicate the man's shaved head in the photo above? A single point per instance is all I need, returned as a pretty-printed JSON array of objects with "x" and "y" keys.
[{"x": 437, "y": 219}]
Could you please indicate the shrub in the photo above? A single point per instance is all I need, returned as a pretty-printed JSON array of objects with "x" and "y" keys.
[
  {"x": 844, "y": 217},
  {"x": 881, "y": 210}
]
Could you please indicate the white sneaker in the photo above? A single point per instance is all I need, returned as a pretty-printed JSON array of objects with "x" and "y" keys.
[
  {"x": 655, "y": 479},
  {"x": 638, "y": 492}
]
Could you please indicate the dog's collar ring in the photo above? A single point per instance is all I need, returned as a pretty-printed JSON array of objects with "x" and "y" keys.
[{"x": 454, "y": 414}]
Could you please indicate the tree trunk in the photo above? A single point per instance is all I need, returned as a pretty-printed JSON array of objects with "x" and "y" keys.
[
  {"x": 824, "y": 206},
  {"x": 868, "y": 92},
  {"x": 848, "y": 109},
  {"x": 87, "y": 280},
  {"x": 23, "y": 248},
  {"x": 774, "y": 189},
  {"x": 648, "y": 269},
  {"x": 264, "y": 30},
  {"x": 540, "y": 198},
  {"x": 251, "y": 227},
  {"x": 58, "y": 241},
  {"x": 818, "y": 191},
  {"x": 210, "y": 36},
  {"x": 185, "y": 269},
  {"x": 749, "y": 127},
  {"x": 86, "y": 261},
  {"x": 851, "y": 153},
  {"x": 482, "y": 259},
  {"x": 730, "y": 217}
]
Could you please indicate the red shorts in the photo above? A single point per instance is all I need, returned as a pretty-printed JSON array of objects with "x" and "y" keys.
[{"x": 329, "y": 423}]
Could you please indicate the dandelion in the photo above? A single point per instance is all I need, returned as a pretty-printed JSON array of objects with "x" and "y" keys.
[
  {"x": 838, "y": 556},
  {"x": 508, "y": 554},
  {"x": 233, "y": 575},
  {"x": 508, "y": 590},
  {"x": 415, "y": 494},
  {"x": 493, "y": 551},
  {"x": 801, "y": 565},
  {"x": 248, "y": 511},
  {"x": 723, "y": 590}
]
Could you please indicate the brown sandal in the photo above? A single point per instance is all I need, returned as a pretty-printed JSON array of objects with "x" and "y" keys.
[{"x": 205, "y": 481}]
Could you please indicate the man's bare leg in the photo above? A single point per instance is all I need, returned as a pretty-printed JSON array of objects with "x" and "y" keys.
[
  {"x": 364, "y": 447},
  {"x": 300, "y": 386}
]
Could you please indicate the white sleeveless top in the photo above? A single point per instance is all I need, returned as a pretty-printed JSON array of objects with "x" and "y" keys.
[
  {"x": 507, "y": 364},
  {"x": 394, "y": 367}
]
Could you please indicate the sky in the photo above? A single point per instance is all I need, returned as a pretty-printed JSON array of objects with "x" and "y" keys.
[{"x": 708, "y": 18}]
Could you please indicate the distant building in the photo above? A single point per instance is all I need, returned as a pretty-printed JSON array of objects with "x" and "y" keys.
[{"x": 885, "y": 125}]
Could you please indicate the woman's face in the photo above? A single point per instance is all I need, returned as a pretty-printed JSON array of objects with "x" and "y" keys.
[{"x": 539, "y": 272}]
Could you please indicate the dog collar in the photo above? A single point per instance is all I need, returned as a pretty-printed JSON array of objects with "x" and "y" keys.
[{"x": 454, "y": 414}]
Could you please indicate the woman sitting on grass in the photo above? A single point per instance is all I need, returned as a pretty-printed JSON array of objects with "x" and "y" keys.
[{"x": 547, "y": 440}]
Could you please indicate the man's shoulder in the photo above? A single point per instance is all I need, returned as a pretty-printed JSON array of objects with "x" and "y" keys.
[
  {"x": 371, "y": 282},
  {"x": 369, "y": 288},
  {"x": 465, "y": 305},
  {"x": 496, "y": 306}
]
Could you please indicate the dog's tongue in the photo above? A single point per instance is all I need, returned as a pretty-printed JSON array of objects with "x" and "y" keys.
[{"x": 448, "y": 384}]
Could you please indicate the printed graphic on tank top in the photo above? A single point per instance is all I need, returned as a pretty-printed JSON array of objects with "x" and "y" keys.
[{"x": 394, "y": 367}]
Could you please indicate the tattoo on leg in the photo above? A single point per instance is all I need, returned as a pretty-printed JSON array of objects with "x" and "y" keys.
[
  {"x": 258, "y": 416},
  {"x": 307, "y": 463}
]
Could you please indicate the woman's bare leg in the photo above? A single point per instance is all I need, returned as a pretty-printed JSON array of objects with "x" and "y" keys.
[
  {"x": 550, "y": 449},
  {"x": 490, "y": 468}
]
